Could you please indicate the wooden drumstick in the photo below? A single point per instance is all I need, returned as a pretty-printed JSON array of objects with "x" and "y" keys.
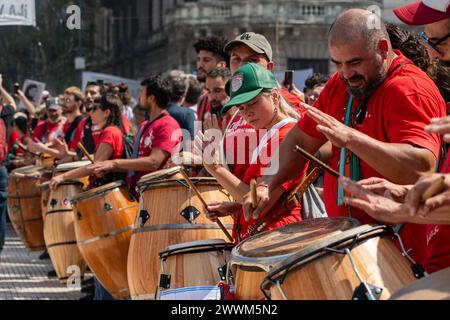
[
  {"x": 85, "y": 152},
  {"x": 197, "y": 192},
  {"x": 317, "y": 162},
  {"x": 253, "y": 193},
  {"x": 434, "y": 189}
]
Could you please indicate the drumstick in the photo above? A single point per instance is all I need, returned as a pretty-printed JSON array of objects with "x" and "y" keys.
[
  {"x": 317, "y": 162},
  {"x": 434, "y": 189},
  {"x": 197, "y": 192},
  {"x": 86, "y": 153},
  {"x": 253, "y": 193}
]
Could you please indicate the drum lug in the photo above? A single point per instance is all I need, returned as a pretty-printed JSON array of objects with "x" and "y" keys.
[
  {"x": 79, "y": 215},
  {"x": 53, "y": 203},
  {"x": 15, "y": 209},
  {"x": 361, "y": 293},
  {"x": 223, "y": 273},
  {"x": 164, "y": 281},
  {"x": 107, "y": 207},
  {"x": 143, "y": 218},
  {"x": 190, "y": 213}
]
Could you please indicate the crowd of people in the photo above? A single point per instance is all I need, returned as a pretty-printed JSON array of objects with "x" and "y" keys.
[{"x": 380, "y": 121}]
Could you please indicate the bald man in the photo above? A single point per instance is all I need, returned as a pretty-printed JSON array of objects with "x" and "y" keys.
[{"x": 374, "y": 109}]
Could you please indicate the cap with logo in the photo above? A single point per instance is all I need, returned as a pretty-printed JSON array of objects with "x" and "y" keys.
[
  {"x": 247, "y": 83},
  {"x": 53, "y": 104},
  {"x": 255, "y": 41},
  {"x": 424, "y": 12}
]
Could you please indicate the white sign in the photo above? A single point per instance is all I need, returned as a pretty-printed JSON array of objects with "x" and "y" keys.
[
  {"x": 17, "y": 13},
  {"x": 33, "y": 91},
  {"x": 133, "y": 85}
]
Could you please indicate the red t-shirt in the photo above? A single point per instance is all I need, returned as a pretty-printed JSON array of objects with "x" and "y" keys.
[
  {"x": 396, "y": 113},
  {"x": 113, "y": 137},
  {"x": 76, "y": 135},
  {"x": 256, "y": 170},
  {"x": 95, "y": 131},
  {"x": 52, "y": 131},
  {"x": 240, "y": 141},
  {"x": 126, "y": 125},
  {"x": 13, "y": 138},
  {"x": 164, "y": 134},
  {"x": 293, "y": 100}
]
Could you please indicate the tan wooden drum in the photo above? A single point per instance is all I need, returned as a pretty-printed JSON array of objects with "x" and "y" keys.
[
  {"x": 45, "y": 160},
  {"x": 62, "y": 168},
  {"x": 433, "y": 287},
  {"x": 192, "y": 271},
  {"x": 103, "y": 226},
  {"x": 59, "y": 232},
  {"x": 24, "y": 205},
  {"x": 361, "y": 263},
  {"x": 254, "y": 257},
  {"x": 45, "y": 195},
  {"x": 170, "y": 213}
]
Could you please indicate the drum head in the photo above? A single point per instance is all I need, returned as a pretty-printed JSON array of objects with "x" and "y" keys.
[
  {"x": 29, "y": 171},
  {"x": 72, "y": 165},
  {"x": 98, "y": 191},
  {"x": 159, "y": 175},
  {"x": 433, "y": 287},
  {"x": 44, "y": 186},
  {"x": 196, "y": 246},
  {"x": 145, "y": 184},
  {"x": 267, "y": 248}
]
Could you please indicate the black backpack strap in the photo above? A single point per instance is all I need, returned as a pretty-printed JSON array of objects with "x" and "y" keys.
[{"x": 69, "y": 134}]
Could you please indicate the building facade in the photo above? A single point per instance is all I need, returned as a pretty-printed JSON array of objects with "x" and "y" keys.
[{"x": 143, "y": 37}]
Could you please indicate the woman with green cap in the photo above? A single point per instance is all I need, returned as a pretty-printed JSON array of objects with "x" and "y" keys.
[{"x": 255, "y": 92}]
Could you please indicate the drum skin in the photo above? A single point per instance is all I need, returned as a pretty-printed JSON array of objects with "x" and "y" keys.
[
  {"x": 433, "y": 287},
  {"x": 329, "y": 276},
  {"x": 59, "y": 232},
  {"x": 103, "y": 227},
  {"x": 194, "y": 263},
  {"x": 162, "y": 202},
  {"x": 24, "y": 205},
  {"x": 254, "y": 257}
]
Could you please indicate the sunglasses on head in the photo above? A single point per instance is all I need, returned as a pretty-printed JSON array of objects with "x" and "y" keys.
[{"x": 434, "y": 44}]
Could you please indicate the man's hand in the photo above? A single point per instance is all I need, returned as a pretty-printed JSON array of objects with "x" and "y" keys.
[
  {"x": 55, "y": 181},
  {"x": 102, "y": 168},
  {"x": 35, "y": 147},
  {"x": 413, "y": 200},
  {"x": 378, "y": 207},
  {"x": 338, "y": 133},
  {"x": 262, "y": 200},
  {"x": 61, "y": 146},
  {"x": 211, "y": 122},
  {"x": 440, "y": 126},
  {"x": 385, "y": 188}
]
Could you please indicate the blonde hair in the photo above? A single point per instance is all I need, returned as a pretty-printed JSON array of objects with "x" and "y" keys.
[{"x": 284, "y": 106}]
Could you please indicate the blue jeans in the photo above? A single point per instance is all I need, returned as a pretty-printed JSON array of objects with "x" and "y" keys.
[
  {"x": 100, "y": 292},
  {"x": 3, "y": 204}
]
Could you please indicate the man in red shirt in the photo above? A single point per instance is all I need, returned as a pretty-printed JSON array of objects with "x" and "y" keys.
[
  {"x": 385, "y": 102},
  {"x": 52, "y": 128},
  {"x": 156, "y": 140},
  {"x": 210, "y": 55}
]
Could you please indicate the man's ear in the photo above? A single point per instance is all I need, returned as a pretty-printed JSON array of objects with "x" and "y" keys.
[{"x": 383, "y": 47}]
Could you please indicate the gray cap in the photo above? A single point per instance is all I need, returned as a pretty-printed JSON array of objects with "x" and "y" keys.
[{"x": 255, "y": 41}]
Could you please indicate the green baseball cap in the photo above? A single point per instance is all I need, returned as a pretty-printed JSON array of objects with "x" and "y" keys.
[{"x": 247, "y": 83}]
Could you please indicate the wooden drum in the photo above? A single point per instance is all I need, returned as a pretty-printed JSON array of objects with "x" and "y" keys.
[
  {"x": 358, "y": 264},
  {"x": 433, "y": 287},
  {"x": 170, "y": 213},
  {"x": 191, "y": 271},
  {"x": 45, "y": 160},
  {"x": 24, "y": 205},
  {"x": 59, "y": 232},
  {"x": 45, "y": 195},
  {"x": 62, "y": 168},
  {"x": 103, "y": 226},
  {"x": 254, "y": 257}
]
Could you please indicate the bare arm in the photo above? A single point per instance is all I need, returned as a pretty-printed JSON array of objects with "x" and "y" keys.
[
  {"x": 8, "y": 100},
  {"x": 27, "y": 103}
]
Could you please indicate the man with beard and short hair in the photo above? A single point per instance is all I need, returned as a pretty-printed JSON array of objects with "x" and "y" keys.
[
  {"x": 210, "y": 55},
  {"x": 373, "y": 110},
  {"x": 215, "y": 86}
]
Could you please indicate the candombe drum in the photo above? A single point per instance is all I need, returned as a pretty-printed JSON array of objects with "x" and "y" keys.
[
  {"x": 59, "y": 232},
  {"x": 193, "y": 270},
  {"x": 433, "y": 287},
  {"x": 170, "y": 213},
  {"x": 62, "y": 168},
  {"x": 104, "y": 220},
  {"x": 45, "y": 160},
  {"x": 45, "y": 195},
  {"x": 254, "y": 257},
  {"x": 24, "y": 207},
  {"x": 358, "y": 264}
]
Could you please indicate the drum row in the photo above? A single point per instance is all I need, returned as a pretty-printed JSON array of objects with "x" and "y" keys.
[{"x": 164, "y": 247}]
